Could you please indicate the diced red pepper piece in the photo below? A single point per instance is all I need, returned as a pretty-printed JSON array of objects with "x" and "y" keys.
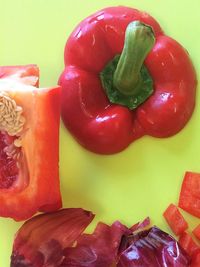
[
  {"x": 196, "y": 261},
  {"x": 189, "y": 199},
  {"x": 175, "y": 219},
  {"x": 188, "y": 244},
  {"x": 196, "y": 231}
]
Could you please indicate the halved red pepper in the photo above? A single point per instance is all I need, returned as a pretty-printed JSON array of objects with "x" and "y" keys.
[
  {"x": 29, "y": 144},
  {"x": 124, "y": 78}
]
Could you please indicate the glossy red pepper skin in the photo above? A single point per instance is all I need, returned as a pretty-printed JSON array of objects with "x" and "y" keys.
[
  {"x": 107, "y": 128},
  {"x": 175, "y": 219},
  {"x": 196, "y": 231},
  {"x": 189, "y": 245},
  {"x": 189, "y": 194}
]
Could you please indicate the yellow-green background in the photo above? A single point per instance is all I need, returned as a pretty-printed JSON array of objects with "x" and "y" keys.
[{"x": 147, "y": 176}]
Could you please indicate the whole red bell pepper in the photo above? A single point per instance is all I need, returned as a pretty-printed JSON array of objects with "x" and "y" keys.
[{"x": 124, "y": 78}]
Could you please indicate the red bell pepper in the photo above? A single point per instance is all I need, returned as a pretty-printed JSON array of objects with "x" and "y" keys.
[
  {"x": 123, "y": 79},
  {"x": 175, "y": 219},
  {"x": 29, "y": 142},
  {"x": 188, "y": 244},
  {"x": 196, "y": 231},
  {"x": 189, "y": 199},
  {"x": 195, "y": 261}
]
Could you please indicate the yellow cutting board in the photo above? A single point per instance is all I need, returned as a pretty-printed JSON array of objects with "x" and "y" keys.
[{"x": 142, "y": 180}]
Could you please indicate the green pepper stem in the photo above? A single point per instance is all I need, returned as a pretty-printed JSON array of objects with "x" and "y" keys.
[{"x": 139, "y": 40}]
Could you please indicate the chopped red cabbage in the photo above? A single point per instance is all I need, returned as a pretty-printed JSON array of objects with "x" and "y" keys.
[
  {"x": 152, "y": 248},
  {"x": 97, "y": 249},
  {"x": 57, "y": 240},
  {"x": 140, "y": 225},
  {"x": 41, "y": 240}
]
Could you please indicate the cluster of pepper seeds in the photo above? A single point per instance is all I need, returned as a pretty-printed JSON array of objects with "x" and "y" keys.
[{"x": 11, "y": 122}]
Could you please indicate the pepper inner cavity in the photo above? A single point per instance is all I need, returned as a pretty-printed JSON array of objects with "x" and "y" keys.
[{"x": 11, "y": 125}]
